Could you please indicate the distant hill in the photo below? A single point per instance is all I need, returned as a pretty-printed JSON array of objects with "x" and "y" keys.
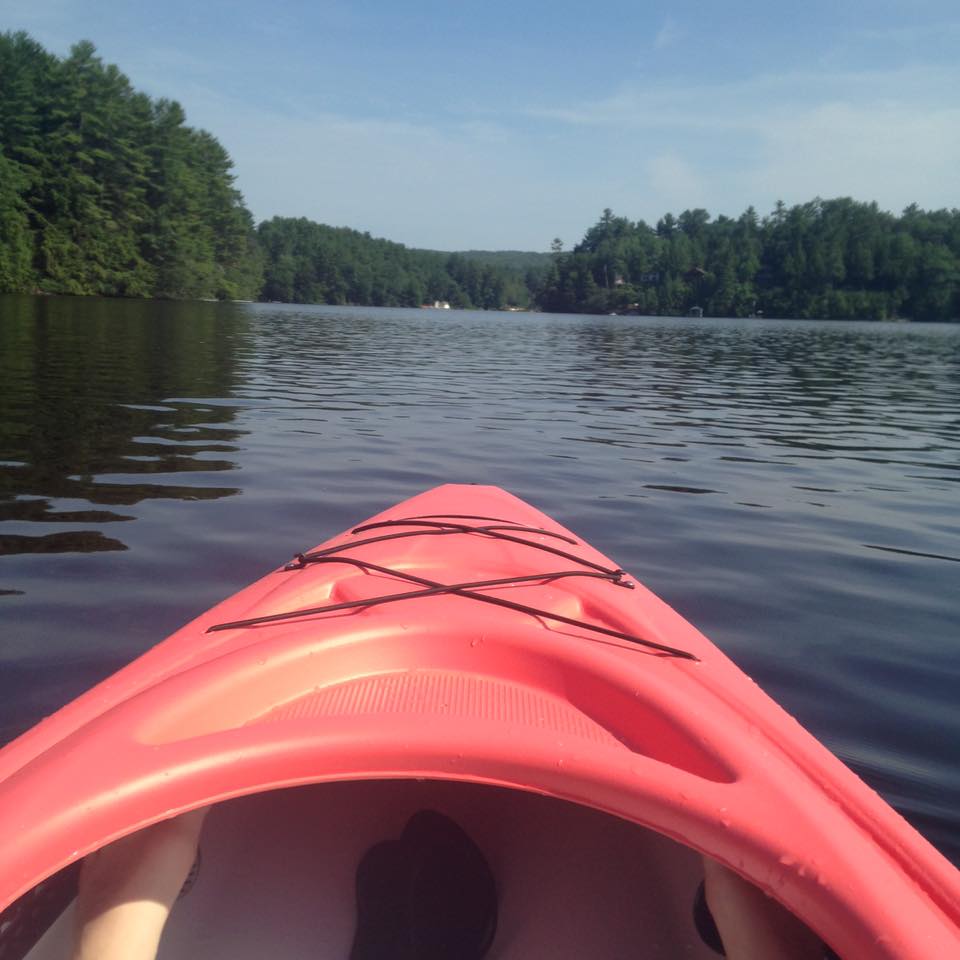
[
  {"x": 307, "y": 262},
  {"x": 510, "y": 259}
]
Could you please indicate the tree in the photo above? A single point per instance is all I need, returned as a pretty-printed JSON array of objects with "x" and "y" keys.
[
  {"x": 120, "y": 196},
  {"x": 16, "y": 248}
]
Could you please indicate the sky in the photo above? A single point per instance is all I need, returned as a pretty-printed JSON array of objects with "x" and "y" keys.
[{"x": 486, "y": 124}]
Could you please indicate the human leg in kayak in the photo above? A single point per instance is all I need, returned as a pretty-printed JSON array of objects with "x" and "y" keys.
[
  {"x": 750, "y": 924},
  {"x": 128, "y": 889}
]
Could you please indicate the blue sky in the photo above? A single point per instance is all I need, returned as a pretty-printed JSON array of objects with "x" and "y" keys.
[{"x": 496, "y": 125}]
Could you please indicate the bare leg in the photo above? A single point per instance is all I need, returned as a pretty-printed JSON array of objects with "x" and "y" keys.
[
  {"x": 751, "y": 925},
  {"x": 128, "y": 888}
]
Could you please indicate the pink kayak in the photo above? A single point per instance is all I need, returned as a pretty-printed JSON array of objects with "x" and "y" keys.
[{"x": 463, "y": 652}]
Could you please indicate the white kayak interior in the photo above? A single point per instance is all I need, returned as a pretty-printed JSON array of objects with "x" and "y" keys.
[{"x": 277, "y": 870}]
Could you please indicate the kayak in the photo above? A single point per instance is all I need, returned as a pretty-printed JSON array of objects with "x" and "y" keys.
[{"x": 465, "y": 653}]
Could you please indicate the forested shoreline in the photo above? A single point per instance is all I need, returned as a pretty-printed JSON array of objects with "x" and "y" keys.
[
  {"x": 105, "y": 191},
  {"x": 830, "y": 259}
]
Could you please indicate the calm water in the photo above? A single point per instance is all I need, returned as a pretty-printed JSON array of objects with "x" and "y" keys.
[{"x": 792, "y": 488}]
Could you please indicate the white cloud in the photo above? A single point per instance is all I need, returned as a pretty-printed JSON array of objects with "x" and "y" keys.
[
  {"x": 668, "y": 34},
  {"x": 893, "y": 152},
  {"x": 676, "y": 181},
  {"x": 910, "y": 34},
  {"x": 890, "y": 136},
  {"x": 751, "y": 103},
  {"x": 451, "y": 187},
  {"x": 492, "y": 183}
]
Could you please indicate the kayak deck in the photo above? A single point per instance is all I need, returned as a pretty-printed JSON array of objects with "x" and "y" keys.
[
  {"x": 277, "y": 870},
  {"x": 389, "y": 654}
]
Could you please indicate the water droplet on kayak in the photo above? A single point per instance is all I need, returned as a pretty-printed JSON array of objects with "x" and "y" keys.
[
  {"x": 787, "y": 860},
  {"x": 725, "y": 823},
  {"x": 476, "y": 641}
]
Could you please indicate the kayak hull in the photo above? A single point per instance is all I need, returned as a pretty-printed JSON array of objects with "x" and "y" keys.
[{"x": 451, "y": 687}]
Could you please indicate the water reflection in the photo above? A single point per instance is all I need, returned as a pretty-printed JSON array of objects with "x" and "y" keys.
[
  {"x": 85, "y": 415},
  {"x": 78, "y": 541},
  {"x": 40, "y": 510}
]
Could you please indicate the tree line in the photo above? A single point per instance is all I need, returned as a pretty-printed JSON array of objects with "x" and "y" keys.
[
  {"x": 307, "y": 262},
  {"x": 834, "y": 259},
  {"x": 106, "y": 191}
]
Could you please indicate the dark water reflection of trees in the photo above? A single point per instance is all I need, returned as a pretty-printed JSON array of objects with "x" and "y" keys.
[{"x": 86, "y": 414}]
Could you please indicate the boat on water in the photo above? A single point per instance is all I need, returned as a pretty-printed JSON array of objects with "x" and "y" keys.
[{"x": 460, "y": 652}]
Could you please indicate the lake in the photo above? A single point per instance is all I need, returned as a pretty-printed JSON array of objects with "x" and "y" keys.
[{"x": 789, "y": 486}]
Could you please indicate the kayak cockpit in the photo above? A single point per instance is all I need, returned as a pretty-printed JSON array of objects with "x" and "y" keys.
[{"x": 277, "y": 875}]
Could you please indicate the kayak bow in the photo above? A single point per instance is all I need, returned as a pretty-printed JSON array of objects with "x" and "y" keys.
[{"x": 463, "y": 636}]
